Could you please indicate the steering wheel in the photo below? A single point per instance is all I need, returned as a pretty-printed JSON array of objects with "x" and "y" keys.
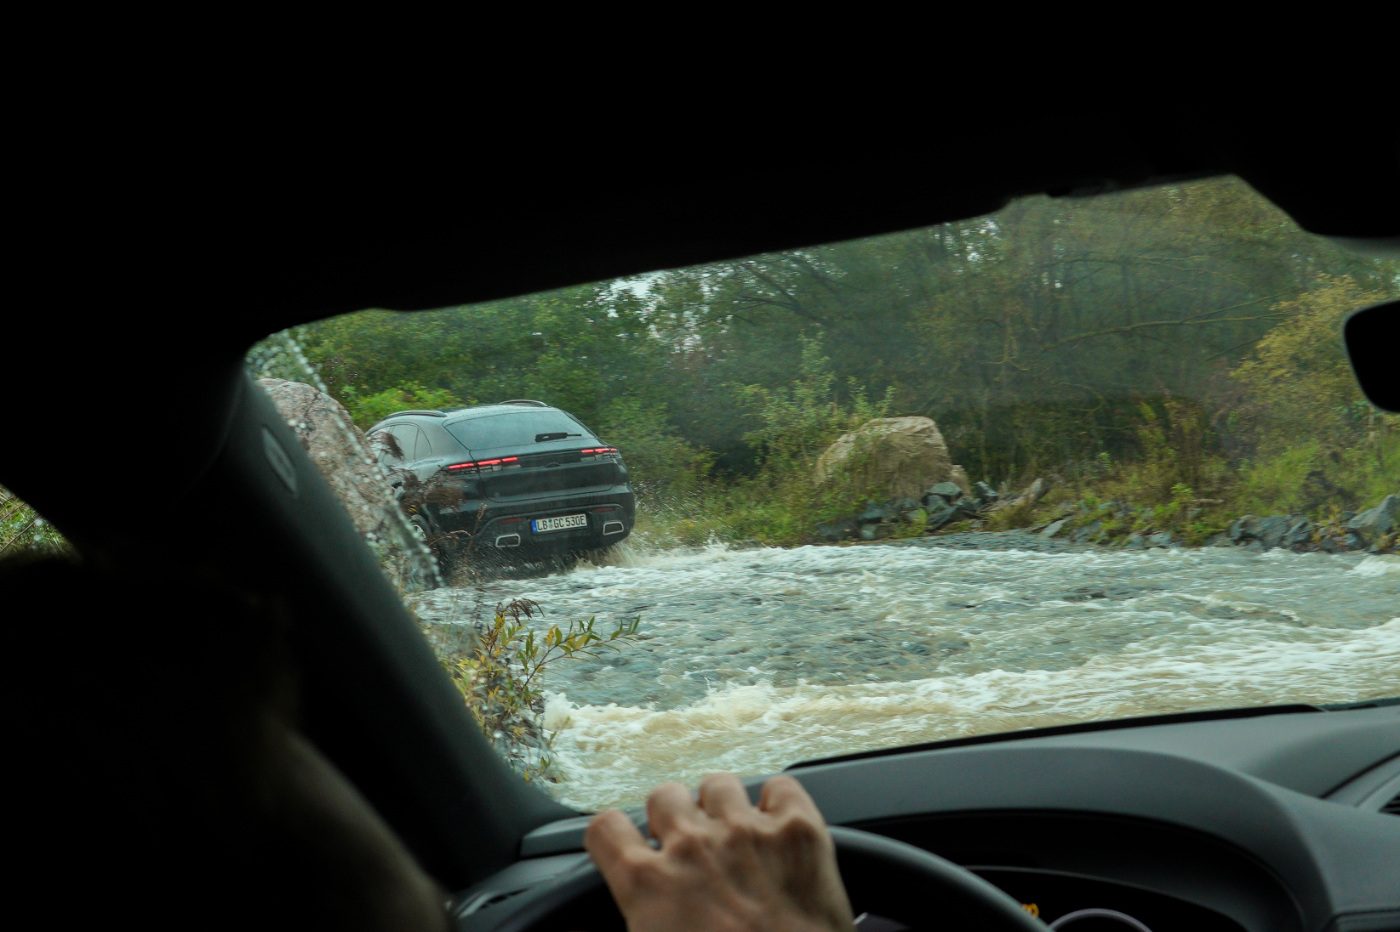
[{"x": 894, "y": 879}]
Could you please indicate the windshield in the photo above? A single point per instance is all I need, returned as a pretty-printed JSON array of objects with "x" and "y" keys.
[{"x": 1078, "y": 460}]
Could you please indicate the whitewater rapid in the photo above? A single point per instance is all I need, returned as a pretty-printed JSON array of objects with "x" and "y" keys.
[{"x": 752, "y": 659}]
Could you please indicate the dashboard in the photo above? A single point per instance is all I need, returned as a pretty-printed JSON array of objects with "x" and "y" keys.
[{"x": 1270, "y": 822}]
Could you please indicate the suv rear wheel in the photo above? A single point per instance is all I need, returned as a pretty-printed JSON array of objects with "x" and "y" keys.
[{"x": 434, "y": 542}]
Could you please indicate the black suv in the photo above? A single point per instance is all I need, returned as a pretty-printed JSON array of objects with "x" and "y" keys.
[{"x": 519, "y": 475}]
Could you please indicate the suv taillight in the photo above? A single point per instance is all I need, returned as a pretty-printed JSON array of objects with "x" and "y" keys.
[{"x": 491, "y": 465}]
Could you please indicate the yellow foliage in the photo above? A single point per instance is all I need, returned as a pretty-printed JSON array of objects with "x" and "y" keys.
[
  {"x": 498, "y": 678},
  {"x": 1298, "y": 379}
]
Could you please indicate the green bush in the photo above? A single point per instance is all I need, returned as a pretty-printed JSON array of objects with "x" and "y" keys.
[
  {"x": 1315, "y": 443},
  {"x": 1312, "y": 478},
  {"x": 498, "y": 676},
  {"x": 660, "y": 462},
  {"x": 367, "y": 410},
  {"x": 782, "y": 504},
  {"x": 799, "y": 421}
]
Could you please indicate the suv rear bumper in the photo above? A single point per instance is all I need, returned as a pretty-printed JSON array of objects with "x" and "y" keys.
[{"x": 509, "y": 525}]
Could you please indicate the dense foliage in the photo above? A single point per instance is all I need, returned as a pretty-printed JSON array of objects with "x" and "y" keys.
[
  {"x": 498, "y": 674},
  {"x": 1177, "y": 344}
]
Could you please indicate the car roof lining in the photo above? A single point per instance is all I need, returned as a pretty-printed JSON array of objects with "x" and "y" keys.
[{"x": 435, "y": 233}]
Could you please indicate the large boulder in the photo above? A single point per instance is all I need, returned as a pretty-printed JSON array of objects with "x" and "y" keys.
[
  {"x": 1294, "y": 532},
  {"x": 338, "y": 449},
  {"x": 1374, "y": 524},
  {"x": 888, "y": 458}
]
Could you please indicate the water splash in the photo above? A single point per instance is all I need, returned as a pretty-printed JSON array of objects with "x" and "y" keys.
[{"x": 753, "y": 659}]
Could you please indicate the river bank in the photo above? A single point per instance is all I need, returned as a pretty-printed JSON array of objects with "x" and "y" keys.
[{"x": 1180, "y": 522}]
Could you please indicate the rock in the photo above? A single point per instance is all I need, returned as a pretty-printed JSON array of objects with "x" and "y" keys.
[
  {"x": 1054, "y": 527},
  {"x": 1271, "y": 530},
  {"x": 1029, "y": 496},
  {"x": 339, "y": 451},
  {"x": 1161, "y": 539},
  {"x": 1088, "y": 533},
  {"x": 1299, "y": 535},
  {"x": 874, "y": 513},
  {"x": 985, "y": 494},
  {"x": 940, "y": 517},
  {"x": 842, "y": 529},
  {"x": 1292, "y": 531},
  {"x": 965, "y": 508},
  {"x": 1135, "y": 541},
  {"x": 948, "y": 491},
  {"x": 1374, "y": 523},
  {"x": 1347, "y": 541},
  {"x": 891, "y": 457},
  {"x": 958, "y": 476}
]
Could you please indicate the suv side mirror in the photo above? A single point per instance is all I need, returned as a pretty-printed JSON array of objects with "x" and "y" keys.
[{"x": 1373, "y": 343}]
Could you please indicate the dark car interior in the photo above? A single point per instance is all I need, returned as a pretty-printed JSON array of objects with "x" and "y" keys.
[{"x": 1269, "y": 820}]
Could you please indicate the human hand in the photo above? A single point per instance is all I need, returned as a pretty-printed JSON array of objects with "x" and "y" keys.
[{"x": 723, "y": 864}]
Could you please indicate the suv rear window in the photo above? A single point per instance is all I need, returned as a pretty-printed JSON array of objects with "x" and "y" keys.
[{"x": 512, "y": 428}]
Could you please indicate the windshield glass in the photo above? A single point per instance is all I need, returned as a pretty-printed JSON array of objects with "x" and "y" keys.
[{"x": 1078, "y": 460}]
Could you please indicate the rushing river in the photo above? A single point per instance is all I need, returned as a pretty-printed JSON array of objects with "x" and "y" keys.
[{"x": 753, "y": 659}]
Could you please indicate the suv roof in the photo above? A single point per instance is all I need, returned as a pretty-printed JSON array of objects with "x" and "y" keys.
[
  {"x": 417, "y": 413},
  {"x": 499, "y": 407},
  {"x": 504, "y": 407}
]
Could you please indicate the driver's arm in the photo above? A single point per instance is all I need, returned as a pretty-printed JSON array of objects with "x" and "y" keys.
[{"x": 723, "y": 863}]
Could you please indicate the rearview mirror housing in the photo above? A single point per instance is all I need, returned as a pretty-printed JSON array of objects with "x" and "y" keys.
[{"x": 1373, "y": 344}]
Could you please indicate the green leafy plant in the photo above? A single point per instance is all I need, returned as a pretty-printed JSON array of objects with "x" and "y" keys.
[
  {"x": 368, "y": 408},
  {"x": 499, "y": 676},
  {"x": 660, "y": 461},
  {"x": 797, "y": 422}
]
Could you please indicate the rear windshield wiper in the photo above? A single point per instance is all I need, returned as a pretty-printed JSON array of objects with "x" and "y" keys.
[{"x": 555, "y": 435}]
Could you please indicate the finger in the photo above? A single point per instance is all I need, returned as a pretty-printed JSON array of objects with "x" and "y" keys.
[
  {"x": 784, "y": 794},
  {"x": 669, "y": 806},
  {"x": 722, "y": 796},
  {"x": 612, "y": 841}
]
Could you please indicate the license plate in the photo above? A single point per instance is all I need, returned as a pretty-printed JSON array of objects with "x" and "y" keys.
[{"x": 542, "y": 525}]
